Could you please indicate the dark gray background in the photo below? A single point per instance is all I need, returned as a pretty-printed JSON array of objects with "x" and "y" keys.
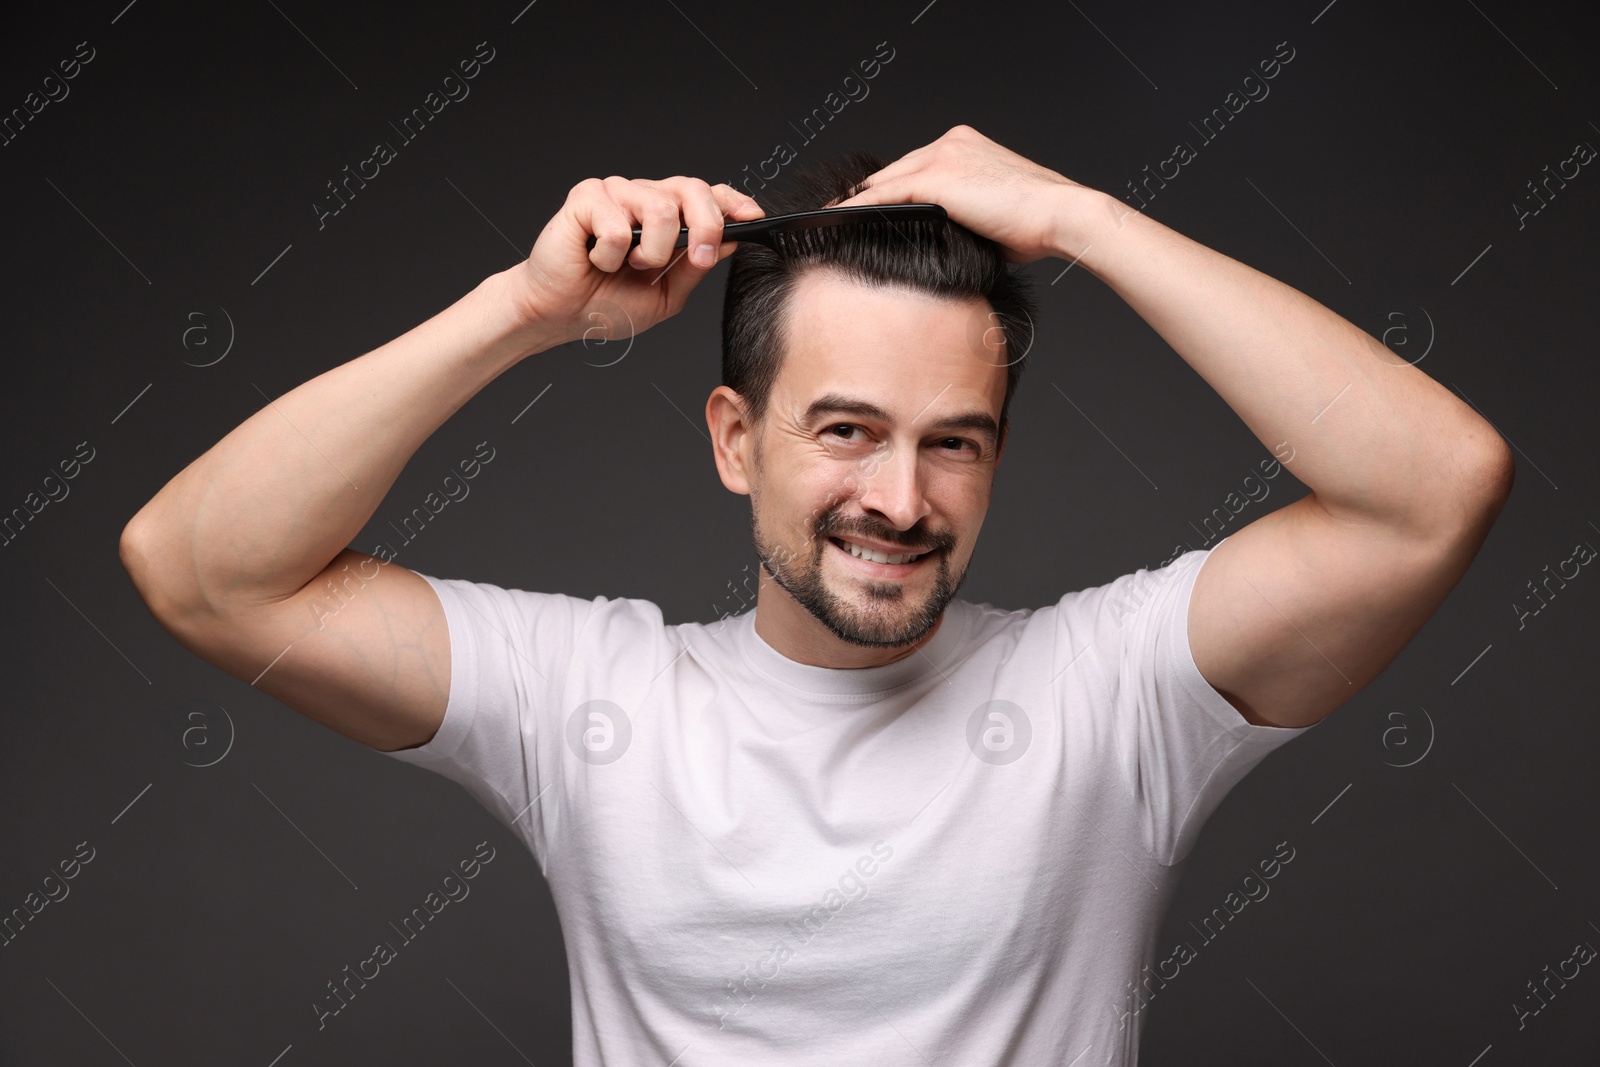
[{"x": 186, "y": 159}]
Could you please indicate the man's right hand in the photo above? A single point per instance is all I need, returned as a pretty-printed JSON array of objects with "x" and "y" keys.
[{"x": 565, "y": 289}]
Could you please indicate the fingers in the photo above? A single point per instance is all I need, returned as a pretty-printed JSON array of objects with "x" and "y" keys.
[
  {"x": 702, "y": 216},
  {"x": 653, "y": 211},
  {"x": 705, "y": 209},
  {"x": 886, "y": 188},
  {"x": 611, "y": 208},
  {"x": 893, "y": 184},
  {"x": 736, "y": 205},
  {"x": 592, "y": 208}
]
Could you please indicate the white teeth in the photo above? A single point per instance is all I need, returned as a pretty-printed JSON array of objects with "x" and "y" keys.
[{"x": 874, "y": 555}]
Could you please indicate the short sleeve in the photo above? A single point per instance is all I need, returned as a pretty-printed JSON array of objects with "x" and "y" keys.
[
  {"x": 509, "y": 655},
  {"x": 1182, "y": 744}
]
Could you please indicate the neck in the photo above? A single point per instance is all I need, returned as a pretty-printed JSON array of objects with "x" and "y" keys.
[{"x": 796, "y": 634}]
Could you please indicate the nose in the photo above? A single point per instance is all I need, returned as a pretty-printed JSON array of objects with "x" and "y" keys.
[{"x": 892, "y": 485}]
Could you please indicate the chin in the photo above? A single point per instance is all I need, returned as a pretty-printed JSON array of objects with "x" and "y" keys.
[{"x": 880, "y": 614}]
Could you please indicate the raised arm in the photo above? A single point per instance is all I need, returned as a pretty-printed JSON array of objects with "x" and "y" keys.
[
  {"x": 1299, "y": 610},
  {"x": 242, "y": 555},
  {"x": 1294, "y": 613}
]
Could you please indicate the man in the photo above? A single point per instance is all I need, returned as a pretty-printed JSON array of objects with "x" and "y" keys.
[{"x": 867, "y": 822}]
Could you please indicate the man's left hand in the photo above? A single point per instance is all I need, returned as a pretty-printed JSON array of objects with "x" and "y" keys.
[{"x": 987, "y": 188}]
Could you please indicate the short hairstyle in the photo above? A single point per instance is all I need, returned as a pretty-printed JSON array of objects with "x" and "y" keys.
[{"x": 943, "y": 259}]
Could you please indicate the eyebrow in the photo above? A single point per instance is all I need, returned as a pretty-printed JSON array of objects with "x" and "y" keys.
[{"x": 837, "y": 403}]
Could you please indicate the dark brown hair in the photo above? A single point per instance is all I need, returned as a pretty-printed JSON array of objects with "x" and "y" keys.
[{"x": 944, "y": 259}]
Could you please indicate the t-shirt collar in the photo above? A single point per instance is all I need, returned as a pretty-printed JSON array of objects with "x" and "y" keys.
[{"x": 856, "y": 682}]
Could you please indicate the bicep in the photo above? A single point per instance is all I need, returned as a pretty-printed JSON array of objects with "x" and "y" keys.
[
  {"x": 363, "y": 649},
  {"x": 1298, "y": 611}
]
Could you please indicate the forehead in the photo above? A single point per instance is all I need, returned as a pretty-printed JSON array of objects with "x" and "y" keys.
[{"x": 898, "y": 347}]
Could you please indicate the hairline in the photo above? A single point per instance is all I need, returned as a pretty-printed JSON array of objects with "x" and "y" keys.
[{"x": 792, "y": 280}]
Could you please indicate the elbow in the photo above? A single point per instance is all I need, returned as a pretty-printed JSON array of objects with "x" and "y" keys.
[
  {"x": 154, "y": 573},
  {"x": 1485, "y": 470},
  {"x": 1494, "y": 471},
  {"x": 1455, "y": 498},
  {"x": 130, "y": 549},
  {"x": 133, "y": 550}
]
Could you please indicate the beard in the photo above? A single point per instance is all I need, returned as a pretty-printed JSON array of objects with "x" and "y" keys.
[{"x": 889, "y": 619}]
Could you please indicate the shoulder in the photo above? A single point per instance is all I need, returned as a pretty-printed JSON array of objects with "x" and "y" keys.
[
  {"x": 988, "y": 630},
  {"x": 1129, "y": 593},
  {"x": 480, "y": 605},
  {"x": 1110, "y": 617}
]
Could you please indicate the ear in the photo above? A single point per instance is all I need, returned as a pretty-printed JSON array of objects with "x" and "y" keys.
[{"x": 732, "y": 438}]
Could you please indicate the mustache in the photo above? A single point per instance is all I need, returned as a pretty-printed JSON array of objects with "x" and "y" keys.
[{"x": 916, "y": 540}]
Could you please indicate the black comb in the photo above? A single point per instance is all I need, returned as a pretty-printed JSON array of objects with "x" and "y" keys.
[{"x": 774, "y": 228}]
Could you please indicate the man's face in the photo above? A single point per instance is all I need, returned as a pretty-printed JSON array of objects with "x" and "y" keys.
[{"x": 874, "y": 462}]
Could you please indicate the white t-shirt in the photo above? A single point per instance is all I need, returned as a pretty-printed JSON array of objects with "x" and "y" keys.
[{"x": 962, "y": 856}]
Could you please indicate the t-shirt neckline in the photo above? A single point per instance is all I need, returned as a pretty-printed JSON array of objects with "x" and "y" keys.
[{"x": 855, "y": 682}]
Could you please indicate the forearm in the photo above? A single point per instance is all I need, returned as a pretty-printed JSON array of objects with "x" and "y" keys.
[
  {"x": 1373, "y": 437},
  {"x": 264, "y": 510}
]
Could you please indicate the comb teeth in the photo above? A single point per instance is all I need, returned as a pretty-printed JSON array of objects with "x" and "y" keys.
[{"x": 813, "y": 240}]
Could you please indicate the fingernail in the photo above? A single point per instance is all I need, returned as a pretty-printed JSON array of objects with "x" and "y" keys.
[{"x": 703, "y": 255}]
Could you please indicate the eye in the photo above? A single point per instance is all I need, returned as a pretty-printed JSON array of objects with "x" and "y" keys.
[
  {"x": 843, "y": 431},
  {"x": 958, "y": 444}
]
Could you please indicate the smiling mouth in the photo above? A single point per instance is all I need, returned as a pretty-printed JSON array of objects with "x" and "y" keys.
[{"x": 872, "y": 555}]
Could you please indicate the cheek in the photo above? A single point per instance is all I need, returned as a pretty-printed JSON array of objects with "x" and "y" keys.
[
  {"x": 827, "y": 478},
  {"x": 960, "y": 494},
  {"x": 791, "y": 501}
]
